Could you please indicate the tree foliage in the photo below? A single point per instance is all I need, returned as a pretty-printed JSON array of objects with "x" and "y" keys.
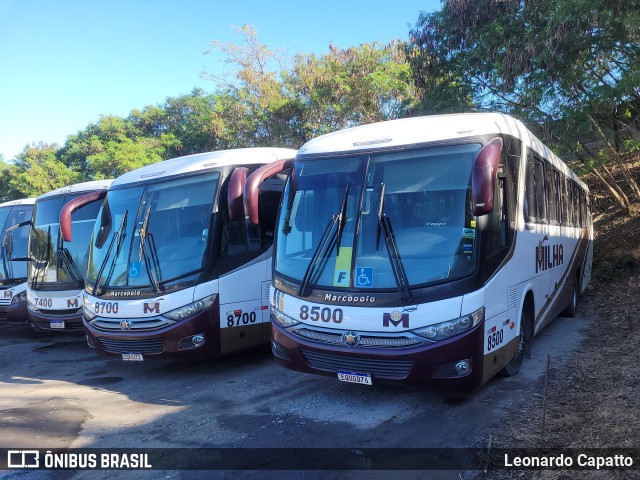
[
  {"x": 37, "y": 171},
  {"x": 570, "y": 66}
]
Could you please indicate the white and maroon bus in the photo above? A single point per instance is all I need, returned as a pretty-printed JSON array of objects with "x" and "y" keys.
[
  {"x": 57, "y": 265},
  {"x": 174, "y": 267},
  {"x": 425, "y": 250},
  {"x": 15, "y": 220}
]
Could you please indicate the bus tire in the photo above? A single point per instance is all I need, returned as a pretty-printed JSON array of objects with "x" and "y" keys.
[
  {"x": 571, "y": 309},
  {"x": 513, "y": 367}
]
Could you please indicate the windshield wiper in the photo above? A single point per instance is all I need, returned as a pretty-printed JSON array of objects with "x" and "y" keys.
[
  {"x": 6, "y": 257},
  {"x": 330, "y": 236},
  {"x": 6, "y": 265},
  {"x": 65, "y": 260},
  {"x": 150, "y": 254},
  {"x": 117, "y": 240},
  {"x": 397, "y": 267},
  {"x": 38, "y": 262}
]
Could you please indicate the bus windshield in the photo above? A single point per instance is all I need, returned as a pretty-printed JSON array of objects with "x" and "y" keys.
[
  {"x": 14, "y": 242},
  {"x": 150, "y": 235},
  {"x": 54, "y": 261},
  {"x": 376, "y": 221}
]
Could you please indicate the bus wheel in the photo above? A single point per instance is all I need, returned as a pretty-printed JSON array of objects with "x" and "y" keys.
[
  {"x": 571, "y": 309},
  {"x": 513, "y": 367}
]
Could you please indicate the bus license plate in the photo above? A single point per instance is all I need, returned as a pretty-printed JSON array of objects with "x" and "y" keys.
[
  {"x": 354, "y": 377},
  {"x": 57, "y": 324},
  {"x": 132, "y": 357}
]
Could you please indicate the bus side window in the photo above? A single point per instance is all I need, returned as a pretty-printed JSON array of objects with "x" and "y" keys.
[
  {"x": 540, "y": 189},
  {"x": 269, "y": 201},
  {"x": 530, "y": 191}
]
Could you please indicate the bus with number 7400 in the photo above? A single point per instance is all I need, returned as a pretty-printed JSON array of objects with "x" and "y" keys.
[{"x": 426, "y": 250}]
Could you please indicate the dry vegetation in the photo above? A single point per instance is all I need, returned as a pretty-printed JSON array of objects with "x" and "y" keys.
[{"x": 593, "y": 401}]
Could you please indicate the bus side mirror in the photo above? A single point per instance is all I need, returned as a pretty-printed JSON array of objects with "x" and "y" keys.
[
  {"x": 251, "y": 189},
  {"x": 73, "y": 205},
  {"x": 235, "y": 189},
  {"x": 483, "y": 177},
  {"x": 8, "y": 236}
]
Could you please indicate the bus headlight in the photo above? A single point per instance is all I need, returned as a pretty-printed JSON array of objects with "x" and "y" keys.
[
  {"x": 447, "y": 329},
  {"x": 192, "y": 308},
  {"x": 21, "y": 297},
  {"x": 86, "y": 310},
  {"x": 283, "y": 319}
]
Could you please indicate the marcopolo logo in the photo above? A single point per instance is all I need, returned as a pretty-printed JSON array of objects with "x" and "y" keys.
[
  {"x": 395, "y": 318},
  {"x": 152, "y": 307},
  {"x": 23, "y": 459}
]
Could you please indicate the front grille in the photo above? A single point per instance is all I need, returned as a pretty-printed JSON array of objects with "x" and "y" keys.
[
  {"x": 132, "y": 346},
  {"x": 395, "y": 369},
  {"x": 366, "y": 341},
  {"x": 137, "y": 324},
  {"x": 61, "y": 313},
  {"x": 68, "y": 327}
]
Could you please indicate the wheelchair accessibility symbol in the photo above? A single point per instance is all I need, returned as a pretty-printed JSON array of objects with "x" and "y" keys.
[
  {"x": 134, "y": 271},
  {"x": 364, "y": 276}
]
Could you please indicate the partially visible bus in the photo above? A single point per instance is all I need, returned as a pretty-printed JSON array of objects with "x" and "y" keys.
[
  {"x": 57, "y": 266},
  {"x": 174, "y": 268},
  {"x": 15, "y": 220},
  {"x": 425, "y": 250}
]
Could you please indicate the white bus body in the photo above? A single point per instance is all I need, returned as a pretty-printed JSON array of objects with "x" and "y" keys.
[
  {"x": 56, "y": 267},
  {"x": 15, "y": 218},
  {"x": 174, "y": 269},
  {"x": 408, "y": 251}
]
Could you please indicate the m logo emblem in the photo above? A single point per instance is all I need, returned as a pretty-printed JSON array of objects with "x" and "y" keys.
[
  {"x": 395, "y": 318},
  {"x": 152, "y": 307},
  {"x": 8, "y": 294},
  {"x": 73, "y": 303}
]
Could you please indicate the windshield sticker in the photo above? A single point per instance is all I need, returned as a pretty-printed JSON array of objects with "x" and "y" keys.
[
  {"x": 341, "y": 274},
  {"x": 134, "y": 271},
  {"x": 364, "y": 277},
  {"x": 473, "y": 224},
  {"x": 468, "y": 233},
  {"x": 467, "y": 247}
]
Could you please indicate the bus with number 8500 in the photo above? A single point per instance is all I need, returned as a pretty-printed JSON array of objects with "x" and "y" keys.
[{"x": 426, "y": 250}]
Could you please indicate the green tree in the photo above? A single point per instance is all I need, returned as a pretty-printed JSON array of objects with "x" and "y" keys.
[
  {"x": 268, "y": 98},
  {"x": 7, "y": 173},
  {"x": 113, "y": 146},
  {"x": 349, "y": 87},
  {"x": 38, "y": 171},
  {"x": 570, "y": 66}
]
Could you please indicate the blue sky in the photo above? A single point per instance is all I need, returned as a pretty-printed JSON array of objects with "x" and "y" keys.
[{"x": 64, "y": 63}]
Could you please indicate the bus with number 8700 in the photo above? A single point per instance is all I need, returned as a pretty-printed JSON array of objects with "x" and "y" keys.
[{"x": 174, "y": 267}]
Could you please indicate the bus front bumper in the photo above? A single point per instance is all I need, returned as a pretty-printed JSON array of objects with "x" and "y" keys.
[
  {"x": 43, "y": 322},
  {"x": 176, "y": 340},
  {"x": 432, "y": 365},
  {"x": 14, "y": 314}
]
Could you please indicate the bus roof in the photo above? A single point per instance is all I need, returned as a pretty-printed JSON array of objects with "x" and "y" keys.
[
  {"x": 417, "y": 130},
  {"x": 77, "y": 188},
  {"x": 200, "y": 161},
  {"x": 22, "y": 201}
]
